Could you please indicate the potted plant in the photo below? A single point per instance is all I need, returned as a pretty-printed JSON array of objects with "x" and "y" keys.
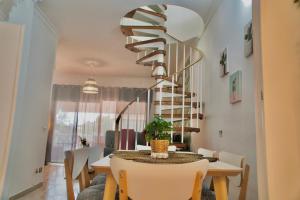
[
  {"x": 157, "y": 133},
  {"x": 84, "y": 142}
]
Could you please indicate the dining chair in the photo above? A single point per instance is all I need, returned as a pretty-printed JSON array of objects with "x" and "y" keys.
[
  {"x": 210, "y": 195},
  {"x": 145, "y": 181},
  {"x": 94, "y": 155},
  {"x": 207, "y": 182},
  {"x": 207, "y": 152},
  {"x": 76, "y": 167},
  {"x": 143, "y": 148},
  {"x": 234, "y": 182},
  {"x": 244, "y": 185}
]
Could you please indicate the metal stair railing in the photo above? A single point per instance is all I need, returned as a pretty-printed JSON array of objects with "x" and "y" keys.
[{"x": 183, "y": 83}]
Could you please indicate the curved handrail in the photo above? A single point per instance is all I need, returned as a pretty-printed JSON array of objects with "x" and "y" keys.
[{"x": 153, "y": 86}]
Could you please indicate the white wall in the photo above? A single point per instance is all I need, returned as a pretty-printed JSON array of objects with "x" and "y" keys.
[
  {"x": 11, "y": 39},
  {"x": 237, "y": 121},
  {"x": 29, "y": 134},
  {"x": 278, "y": 32},
  {"x": 77, "y": 79}
]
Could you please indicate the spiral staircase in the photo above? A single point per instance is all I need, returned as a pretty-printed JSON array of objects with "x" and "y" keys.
[{"x": 177, "y": 67}]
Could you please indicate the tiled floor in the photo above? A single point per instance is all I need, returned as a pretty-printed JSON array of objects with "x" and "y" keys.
[{"x": 54, "y": 186}]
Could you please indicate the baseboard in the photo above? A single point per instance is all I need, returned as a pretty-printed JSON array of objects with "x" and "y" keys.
[{"x": 21, "y": 194}]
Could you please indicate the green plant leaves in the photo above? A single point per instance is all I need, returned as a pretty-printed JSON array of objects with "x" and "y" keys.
[{"x": 158, "y": 129}]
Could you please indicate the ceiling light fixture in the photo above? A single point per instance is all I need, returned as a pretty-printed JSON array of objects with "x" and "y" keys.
[{"x": 90, "y": 86}]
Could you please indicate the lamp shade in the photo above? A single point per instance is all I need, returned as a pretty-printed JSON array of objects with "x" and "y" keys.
[{"x": 90, "y": 87}]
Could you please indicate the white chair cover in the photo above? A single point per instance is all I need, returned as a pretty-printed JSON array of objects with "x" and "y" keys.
[
  {"x": 94, "y": 154},
  {"x": 207, "y": 152},
  {"x": 172, "y": 148},
  {"x": 143, "y": 148},
  {"x": 158, "y": 181},
  {"x": 80, "y": 159}
]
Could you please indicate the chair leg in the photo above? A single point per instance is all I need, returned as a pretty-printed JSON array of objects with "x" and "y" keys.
[
  {"x": 69, "y": 181},
  {"x": 123, "y": 192},
  {"x": 197, "y": 187}
]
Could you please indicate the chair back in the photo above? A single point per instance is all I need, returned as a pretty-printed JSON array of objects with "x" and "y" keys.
[
  {"x": 244, "y": 185},
  {"x": 76, "y": 167},
  {"x": 172, "y": 148},
  {"x": 236, "y": 160},
  {"x": 233, "y": 182},
  {"x": 94, "y": 154},
  {"x": 143, "y": 148},
  {"x": 144, "y": 181},
  {"x": 207, "y": 152}
]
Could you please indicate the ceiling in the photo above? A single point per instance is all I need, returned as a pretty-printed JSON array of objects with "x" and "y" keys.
[{"x": 89, "y": 30}]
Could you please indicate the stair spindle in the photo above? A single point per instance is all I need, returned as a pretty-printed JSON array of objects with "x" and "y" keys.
[
  {"x": 137, "y": 120},
  {"x": 191, "y": 87},
  {"x": 160, "y": 99},
  {"x": 148, "y": 106},
  {"x": 127, "y": 131},
  {"x": 120, "y": 133},
  {"x": 176, "y": 64},
  {"x": 169, "y": 59},
  {"x": 172, "y": 105},
  {"x": 183, "y": 95},
  {"x": 198, "y": 94},
  {"x": 201, "y": 86}
]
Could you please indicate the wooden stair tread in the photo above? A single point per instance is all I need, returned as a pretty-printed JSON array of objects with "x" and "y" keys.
[
  {"x": 163, "y": 16},
  {"x": 154, "y": 64},
  {"x": 176, "y": 103},
  {"x": 175, "y": 87},
  {"x": 154, "y": 53},
  {"x": 180, "y": 146},
  {"x": 176, "y": 91},
  {"x": 186, "y": 116},
  {"x": 128, "y": 30},
  {"x": 132, "y": 46},
  {"x": 186, "y": 129},
  {"x": 157, "y": 8},
  {"x": 160, "y": 77}
]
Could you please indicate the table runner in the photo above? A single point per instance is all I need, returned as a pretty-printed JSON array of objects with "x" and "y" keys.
[{"x": 174, "y": 158}]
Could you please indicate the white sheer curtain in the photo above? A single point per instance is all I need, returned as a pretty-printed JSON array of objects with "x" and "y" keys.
[{"x": 76, "y": 115}]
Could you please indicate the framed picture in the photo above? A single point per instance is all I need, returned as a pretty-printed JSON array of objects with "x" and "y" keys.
[
  {"x": 248, "y": 40},
  {"x": 223, "y": 63},
  {"x": 235, "y": 87}
]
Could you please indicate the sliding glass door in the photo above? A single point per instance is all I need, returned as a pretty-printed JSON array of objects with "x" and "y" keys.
[
  {"x": 77, "y": 116},
  {"x": 64, "y": 130}
]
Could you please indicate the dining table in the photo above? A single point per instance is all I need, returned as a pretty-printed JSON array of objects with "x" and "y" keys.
[{"x": 217, "y": 170}]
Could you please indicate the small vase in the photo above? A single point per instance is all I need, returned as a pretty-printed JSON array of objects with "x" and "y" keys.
[{"x": 159, "y": 148}]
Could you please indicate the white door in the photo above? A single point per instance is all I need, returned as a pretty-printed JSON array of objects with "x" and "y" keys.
[{"x": 11, "y": 39}]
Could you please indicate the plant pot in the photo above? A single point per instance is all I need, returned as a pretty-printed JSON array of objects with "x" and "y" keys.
[{"x": 159, "y": 148}]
